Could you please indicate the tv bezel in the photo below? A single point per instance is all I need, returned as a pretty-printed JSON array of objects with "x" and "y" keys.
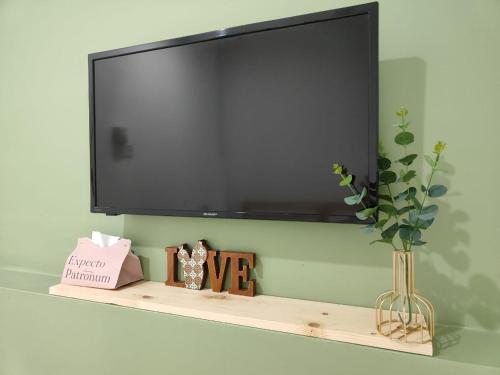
[{"x": 371, "y": 9}]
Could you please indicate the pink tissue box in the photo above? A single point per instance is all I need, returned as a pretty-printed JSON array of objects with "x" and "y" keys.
[{"x": 102, "y": 267}]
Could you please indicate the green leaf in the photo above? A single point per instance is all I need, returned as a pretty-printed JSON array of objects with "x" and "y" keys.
[
  {"x": 416, "y": 221},
  {"x": 436, "y": 191},
  {"x": 418, "y": 243},
  {"x": 360, "y": 215},
  {"x": 367, "y": 229},
  {"x": 416, "y": 235},
  {"x": 380, "y": 224},
  {"x": 404, "y": 138},
  {"x": 425, "y": 224},
  {"x": 423, "y": 188},
  {"x": 388, "y": 209},
  {"x": 366, "y": 213},
  {"x": 390, "y": 232},
  {"x": 422, "y": 224},
  {"x": 408, "y": 175},
  {"x": 385, "y": 197},
  {"x": 405, "y": 232},
  {"x": 355, "y": 199},
  {"x": 388, "y": 177},
  {"x": 408, "y": 159},
  {"x": 346, "y": 181},
  {"x": 363, "y": 194},
  {"x": 430, "y": 161},
  {"x": 405, "y": 209},
  {"x": 351, "y": 200},
  {"x": 383, "y": 163},
  {"x": 428, "y": 212},
  {"x": 412, "y": 217},
  {"x": 406, "y": 195}
]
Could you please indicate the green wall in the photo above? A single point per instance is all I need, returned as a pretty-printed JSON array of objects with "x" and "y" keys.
[{"x": 440, "y": 58}]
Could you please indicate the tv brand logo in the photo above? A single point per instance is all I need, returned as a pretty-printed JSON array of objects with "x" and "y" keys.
[{"x": 210, "y": 214}]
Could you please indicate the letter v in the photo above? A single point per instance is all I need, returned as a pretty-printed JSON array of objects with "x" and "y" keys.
[{"x": 216, "y": 277}]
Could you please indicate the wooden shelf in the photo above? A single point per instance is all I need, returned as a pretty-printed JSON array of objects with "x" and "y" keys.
[{"x": 308, "y": 318}]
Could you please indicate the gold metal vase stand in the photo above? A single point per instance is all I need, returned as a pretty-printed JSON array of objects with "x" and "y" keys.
[{"x": 401, "y": 313}]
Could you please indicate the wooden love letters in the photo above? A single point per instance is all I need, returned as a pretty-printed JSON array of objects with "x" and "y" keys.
[{"x": 194, "y": 267}]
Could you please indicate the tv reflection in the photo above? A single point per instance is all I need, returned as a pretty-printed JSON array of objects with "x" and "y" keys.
[{"x": 120, "y": 146}]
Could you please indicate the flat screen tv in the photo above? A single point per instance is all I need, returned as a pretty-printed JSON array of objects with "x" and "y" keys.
[{"x": 242, "y": 122}]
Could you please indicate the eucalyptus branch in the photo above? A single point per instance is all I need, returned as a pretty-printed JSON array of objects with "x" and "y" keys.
[
  {"x": 353, "y": 190},
  {"x": 414, "y": 217},
  {"x": 438, "y": 149},
  {"x": 392, "y": 201},
  {"x": 356, "y": 198},
  {"x": 396, "y": 214}
]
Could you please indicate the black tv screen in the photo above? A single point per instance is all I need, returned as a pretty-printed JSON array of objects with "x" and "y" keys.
[{"x": 239, "y": 123}]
